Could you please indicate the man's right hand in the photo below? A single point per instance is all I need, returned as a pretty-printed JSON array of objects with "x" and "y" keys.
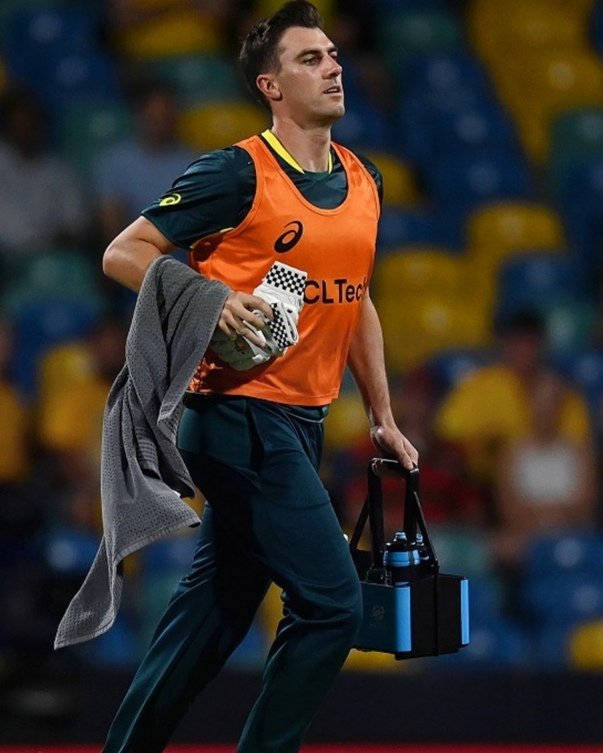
[{"x": 238, "y": 313}]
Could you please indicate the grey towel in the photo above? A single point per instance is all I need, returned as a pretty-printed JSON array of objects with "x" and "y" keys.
[{"x": 142, "y": 474}]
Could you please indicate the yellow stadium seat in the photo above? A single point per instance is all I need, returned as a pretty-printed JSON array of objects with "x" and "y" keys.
[
  {"x": 180, "y": 32},
  {"x": 493, "y": 25},
  {"x": 499, "y": 230},
  {"x": 219, "y": 124},
  {"x": 399, "y": 184},
  {"x": 586, "y": 646},
  {"x": 415, "y": 270},
  {"x": 417, "y": 328},
  {"x": 265, "y": 8},
  {"x": 500, "y": 29},
  {"x": 347, "y": 421},
  {"x": 63, "y": 366}
]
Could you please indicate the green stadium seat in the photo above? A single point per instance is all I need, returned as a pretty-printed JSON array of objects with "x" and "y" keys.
[
  {"x": 198, "y": 78},
  {"x": 577, "y": 136},
  {"x": 407, "y": 32},
  {"x": 87, "y": 127}
]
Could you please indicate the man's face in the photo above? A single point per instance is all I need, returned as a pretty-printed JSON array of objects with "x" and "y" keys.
[{"x": 309, "y": 79}]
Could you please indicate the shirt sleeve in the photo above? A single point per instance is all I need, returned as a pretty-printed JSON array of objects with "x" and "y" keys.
[
  {"x": 375, "y": 173},
  {"x": 215, "y": 193}
]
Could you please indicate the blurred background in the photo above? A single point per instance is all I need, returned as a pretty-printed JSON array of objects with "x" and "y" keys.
[{"x": 486, "y": 120}]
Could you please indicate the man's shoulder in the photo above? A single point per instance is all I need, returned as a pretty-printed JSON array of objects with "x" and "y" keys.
[
  {"x": 369, "y": 166},
  {"x": 232, "y": 159}
]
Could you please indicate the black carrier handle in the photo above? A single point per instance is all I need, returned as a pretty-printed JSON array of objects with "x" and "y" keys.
[{"x": 372, "y": 511}]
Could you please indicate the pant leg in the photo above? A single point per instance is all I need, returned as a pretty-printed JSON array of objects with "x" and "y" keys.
[
  {"x": 207, "y": 617},
  {"x": 309, "y": 558},
  {"x": 295, "y": 534}
]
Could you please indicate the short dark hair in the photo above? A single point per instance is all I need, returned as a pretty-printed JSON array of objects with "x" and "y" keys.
[{"x": 259, "y": 51}]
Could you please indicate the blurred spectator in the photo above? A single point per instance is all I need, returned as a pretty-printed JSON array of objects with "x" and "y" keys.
[
  {"x": 132, "y": 174},
  {"x": 545, "y": 478},
  {"x": 491, "y": 405},
  {"x": 41, "y": 201},
  {"x": 73, "y": 400},
  {"x": 447, "y": 494}
]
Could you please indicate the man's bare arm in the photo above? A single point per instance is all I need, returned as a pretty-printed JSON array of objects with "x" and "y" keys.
[
  {"x": 132, "y": 252},
  {"x": 367, "y": 363}
]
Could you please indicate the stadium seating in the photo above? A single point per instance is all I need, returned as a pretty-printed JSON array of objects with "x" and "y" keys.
[
  {"x": 409, "y": 226},
  {"x": 43, "y": 322},
  {"x": 585, "y": 369},
  {"x": 576, "y": 138},
  {"x": 586, "y": 646},
  {"x": 404, "y": 32},
  {"x": 87, "y": 127},
  {"x": 198, "y": 79},
  {"x": 502, "y": 229},
  {"x": 60, "y": 273},
  {"x": 179, "y": 32},
  {"x": 418, "y": 271},
  {"x": 399, "y": 183},
  {"x": 538, "y": 280},
  {"x": 213, "y": 126}
]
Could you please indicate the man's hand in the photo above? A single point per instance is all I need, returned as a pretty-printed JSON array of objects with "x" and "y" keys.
[
  {"x": 237, "y": 317},
  {"x": 392, "y": 443}
]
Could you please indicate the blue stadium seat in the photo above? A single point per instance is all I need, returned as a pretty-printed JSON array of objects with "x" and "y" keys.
[
  {"x": 449, "y": 367},
  {"x": 565, "y": 553},
  {"x": 580, "y": 200},
  {"x": 364, "y": 127},
  {"x": 70, "y": 552},
  {"x": 76, "y": 77},
  {"x": 562, "y": 598},
  {"x": 399, "y": 227},
  {"x": 32, "y": 37},
  {"x": 447, "y": 79},
  {"x": 536, "y": 279},
  {"x": 118, "y": 647},
  {"x": 496, "y": 645},
  {"x": 585, "y": 370},
  {"x": 596, "y": 26},
  {"x": 44, "y": 322},
  {"x": 173, "y": 555},
  {"x": 468, "y": 177}
]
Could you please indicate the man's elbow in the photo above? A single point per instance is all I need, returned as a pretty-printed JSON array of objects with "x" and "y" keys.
[{"x": 111, "y": 261}]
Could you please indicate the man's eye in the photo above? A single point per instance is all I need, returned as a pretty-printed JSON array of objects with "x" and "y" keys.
[{"x": 310, "y": 61}]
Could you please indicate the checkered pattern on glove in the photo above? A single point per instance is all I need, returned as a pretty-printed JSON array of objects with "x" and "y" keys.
[{"x": 283, "y": 290}]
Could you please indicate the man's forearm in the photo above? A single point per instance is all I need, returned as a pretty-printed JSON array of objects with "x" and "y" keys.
[{"x": 367, "y": 363}]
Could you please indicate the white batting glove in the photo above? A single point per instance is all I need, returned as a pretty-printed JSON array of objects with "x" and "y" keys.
[{"x": 283, "y": 290}]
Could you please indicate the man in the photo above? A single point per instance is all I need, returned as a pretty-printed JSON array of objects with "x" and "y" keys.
[{"x": 252, "y": 438}]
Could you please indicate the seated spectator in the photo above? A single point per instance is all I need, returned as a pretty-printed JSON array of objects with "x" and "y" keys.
[
  {"x": 41, "y": 201},
  {"x": 491, "y": 406},
  {"x": 447, "y": 494},
  {"x": 545, "y": 478},
  {"x": 130, "y": 175},
  {"x": 71, "y": 410}
]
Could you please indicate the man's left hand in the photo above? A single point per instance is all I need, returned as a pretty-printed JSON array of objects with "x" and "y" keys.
[{"x": 392, "y": 443}]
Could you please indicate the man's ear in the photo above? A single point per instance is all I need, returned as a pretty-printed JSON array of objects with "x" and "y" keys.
[{"x": 269, "y": 87}]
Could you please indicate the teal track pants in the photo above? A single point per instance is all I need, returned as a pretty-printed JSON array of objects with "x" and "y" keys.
[{"x": 268, "y": 518}]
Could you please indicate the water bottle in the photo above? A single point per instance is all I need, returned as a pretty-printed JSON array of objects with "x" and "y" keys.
[
  {"x": 400, "y": 559},
  {"x": 425, "y": 564}
]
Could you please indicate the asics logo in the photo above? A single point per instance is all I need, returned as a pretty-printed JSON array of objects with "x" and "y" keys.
[{"x": 289, "y": 238}]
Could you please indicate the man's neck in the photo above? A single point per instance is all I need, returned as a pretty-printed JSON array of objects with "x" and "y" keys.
[{"x": 310, "y": 147}]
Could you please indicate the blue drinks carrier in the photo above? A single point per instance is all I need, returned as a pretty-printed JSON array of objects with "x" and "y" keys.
[{"x": 410, "y": 608}]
